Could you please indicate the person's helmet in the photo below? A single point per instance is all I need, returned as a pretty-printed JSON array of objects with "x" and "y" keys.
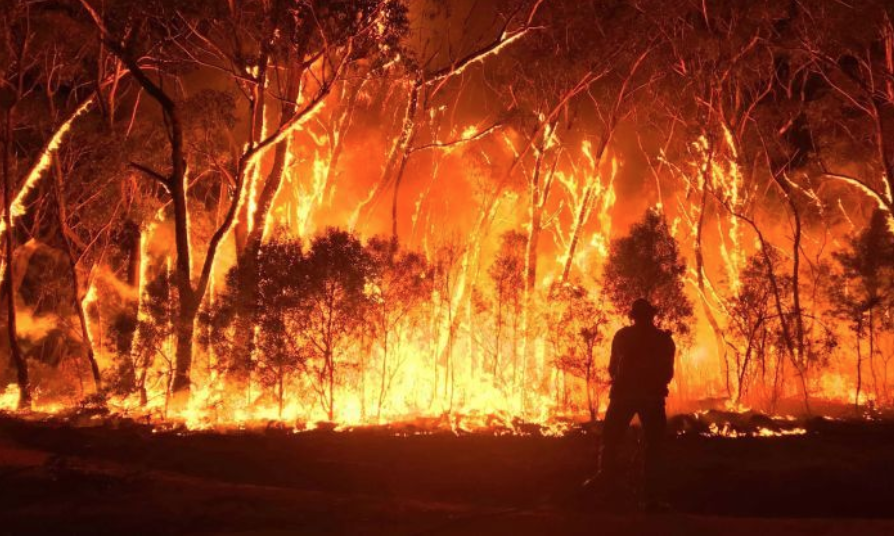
[{"x": 643, "y": 310}]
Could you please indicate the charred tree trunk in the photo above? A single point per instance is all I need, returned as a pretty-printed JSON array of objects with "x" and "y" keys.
[
  {"x": 859, "y": 331},
  {"x": 15, "y": 351},
  {"x": 384, "y": 383},
  {"x": 274, "y": 178},
  {"x": 76, "y": 283},
  {"x": 800, "y": 360},
  {"x": 134, "y": 255},
  {"x": 498, "y": 327},
  {"x": 330, "y": 384},
  {"x": 254, "y": 231},
  {"x": 180, "y": 385},
  {"x": 875, "y": 382}
]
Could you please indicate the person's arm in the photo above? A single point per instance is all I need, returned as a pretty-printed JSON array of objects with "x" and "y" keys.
[
  {"x": 615, "y": 361},
  {"x": 669, "y": 359}
]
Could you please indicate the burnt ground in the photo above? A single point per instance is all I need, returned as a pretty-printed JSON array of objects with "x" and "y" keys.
[{"x": 121, "y": 478}]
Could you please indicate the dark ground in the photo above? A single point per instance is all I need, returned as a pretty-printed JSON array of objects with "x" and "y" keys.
[{"x": 124, "y": 479}]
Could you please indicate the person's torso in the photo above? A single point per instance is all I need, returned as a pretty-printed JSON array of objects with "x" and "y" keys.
[{"x": 644, "y": 352}]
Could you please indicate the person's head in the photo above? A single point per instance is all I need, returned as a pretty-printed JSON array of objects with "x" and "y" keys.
[{"x": 642, "y": 312}]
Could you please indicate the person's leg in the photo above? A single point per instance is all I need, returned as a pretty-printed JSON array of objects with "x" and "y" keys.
[
  {"x": 617, "y": 419},
  {"x": 654, "y": 421}
]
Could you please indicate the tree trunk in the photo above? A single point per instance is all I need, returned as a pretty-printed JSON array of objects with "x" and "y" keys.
[
  {"x": 583, "y": 212},
  {"x": 499, "y": 329},
  {"x": 588, "y": 378},
  {"x": 384, "y": 372},
  {"x": 180, "y": 385},
  {"x": 875, "y": 382},
  {"x": 801, "y": 362},
  {"x": 859, "y": 369},
  {"x": 15, "y": 351},
  {"x": 280, "y": 389},
  {"x": 331, "y": 380},
  {"x": 77, "y": 285},
  {"x": 406, "y": 138},
  {"x": 719, "y": 337},
  {"x": 537, "y": 198}
]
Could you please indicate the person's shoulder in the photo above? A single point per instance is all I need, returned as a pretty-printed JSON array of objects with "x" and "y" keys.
[
  {"x": 666, "y": 335},
  {"x": 626, "y": 331},
  {"x": 660, "y": 333},
  {"x": 622, "y": 336}
]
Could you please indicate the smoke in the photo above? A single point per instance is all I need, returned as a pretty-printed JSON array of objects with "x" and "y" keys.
[{"x": 34, "y": 327}]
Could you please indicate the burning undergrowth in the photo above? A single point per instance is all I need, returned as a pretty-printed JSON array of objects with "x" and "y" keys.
[{"x": 703, "y": 423}]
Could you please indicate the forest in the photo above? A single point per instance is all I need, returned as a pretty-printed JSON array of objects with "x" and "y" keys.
[{"x": 362, "y": 212}]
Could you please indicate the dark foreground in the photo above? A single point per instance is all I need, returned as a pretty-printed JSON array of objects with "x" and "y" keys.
[{"x": 125, "y": 479}]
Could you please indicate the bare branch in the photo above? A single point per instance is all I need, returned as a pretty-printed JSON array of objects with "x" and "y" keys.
[{"x": 154, "y": 174}]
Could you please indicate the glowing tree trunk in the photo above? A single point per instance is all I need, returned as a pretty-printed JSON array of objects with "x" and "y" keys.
[
  {"x": 401, "y": 152},
  {"x": 538, "y": 193},
  {"x": 435, "y": 79},
  {"x": 589, "y": 194},
  {"x": 274, "y": 178},
  {"x": 256, "y": 221},
  {"x": 719, "y": 338}
]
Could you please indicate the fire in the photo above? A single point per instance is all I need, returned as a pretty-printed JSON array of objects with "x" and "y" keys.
[
  {"x": 437, "y": 368},
  {"x": 501, "y": 316},
  {"x": 728, "y": 431},
  {"x": 9, "y": 398},
  {"x": 42, "y": 163}
]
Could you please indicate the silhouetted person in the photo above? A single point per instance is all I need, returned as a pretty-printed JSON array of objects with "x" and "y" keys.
[{"x": 641, "y": 366}]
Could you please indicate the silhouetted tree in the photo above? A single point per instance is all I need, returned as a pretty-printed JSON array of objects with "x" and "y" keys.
[
  {"x": 575, "y": 327},
  {"x": 647, "y": 264},
  {"x": 155, "y": 337},
  {"x": 755, "y": 326},
  {"x": 278, "y": 352},
  {"x": 398, "y": 281},
  {"x": 861, "y": 291},
  {"x": 507, "y": 276},
  {"x": 332, "y": 306}
]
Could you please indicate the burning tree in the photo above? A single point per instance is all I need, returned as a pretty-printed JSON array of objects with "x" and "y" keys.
[
  {"x": 89, "y": 219},
  {"x": 194, "y": 157},
  {"x": 319, "y": 47}
]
